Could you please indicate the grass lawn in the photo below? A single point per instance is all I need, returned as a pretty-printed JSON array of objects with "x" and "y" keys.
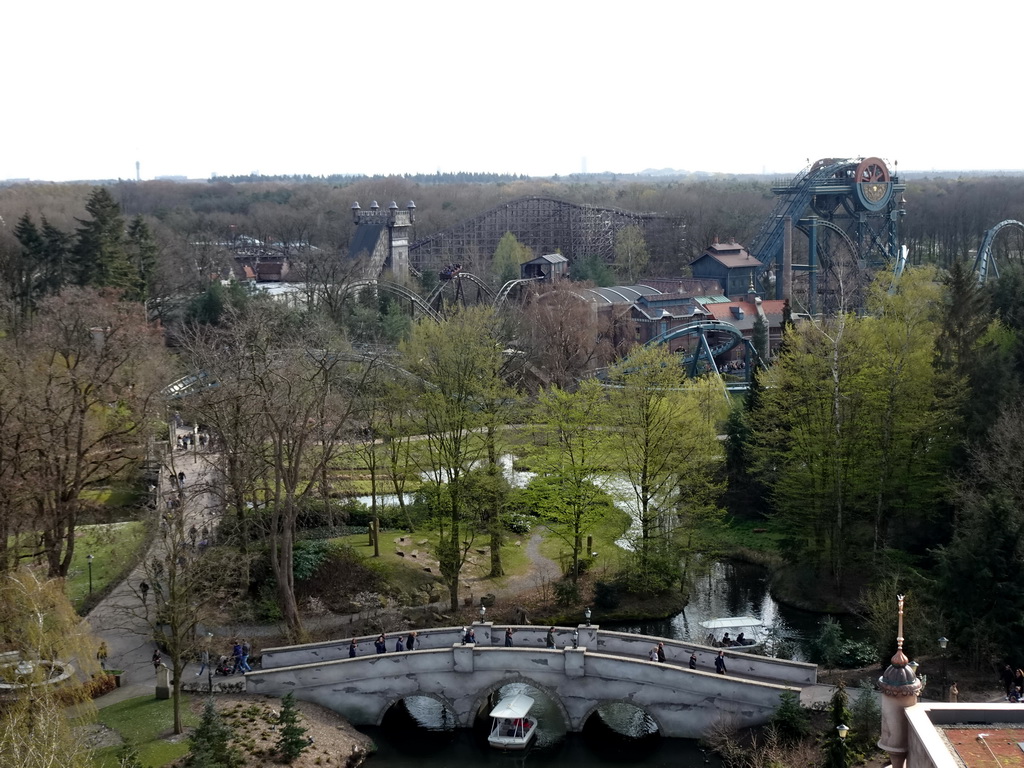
[
  {"x": 113, "y": 548},
  {"x": 408, "y": 573},
  {"x": 605, "y": 532},
  {"x": 761, "y": 536},
  {"x": 145, "y": 721}
]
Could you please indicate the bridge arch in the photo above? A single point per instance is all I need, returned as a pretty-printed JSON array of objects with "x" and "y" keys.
[
  {"x": 483, "y": 698},
  {"x": 441, "y": 699},
  {"x": 594, "y": 710}
]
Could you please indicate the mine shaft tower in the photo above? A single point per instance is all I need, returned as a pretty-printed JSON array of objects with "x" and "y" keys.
[{"x": 849, "y": 211}]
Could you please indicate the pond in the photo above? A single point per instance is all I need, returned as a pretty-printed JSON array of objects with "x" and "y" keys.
[{"x": 734, "y": 588}]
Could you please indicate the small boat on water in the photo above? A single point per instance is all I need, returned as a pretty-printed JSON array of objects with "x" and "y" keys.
[
  {"x": 742, "y": 633},
  {"x": 511, "y": 727}
]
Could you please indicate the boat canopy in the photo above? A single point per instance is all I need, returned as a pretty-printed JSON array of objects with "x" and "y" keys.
[
  {"x": 513, "y": 707},
  {"x": 732, "y": 621}
]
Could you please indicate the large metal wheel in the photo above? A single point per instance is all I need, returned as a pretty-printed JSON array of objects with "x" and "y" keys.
[{"x": 872, "y": 169}]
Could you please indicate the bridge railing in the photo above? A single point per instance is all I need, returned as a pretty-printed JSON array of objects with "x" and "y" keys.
[{"x": 592, "y": 638}]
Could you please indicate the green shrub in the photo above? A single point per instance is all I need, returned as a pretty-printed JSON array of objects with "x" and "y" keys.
[
  {"x": 607, "y": 595},
  {"x": 791, "y": 721},
  {"x": 567, "y": 592}
]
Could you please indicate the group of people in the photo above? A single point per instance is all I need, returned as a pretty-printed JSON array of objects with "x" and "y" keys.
[
  {"x": 449, "y": 271},
  {"x": 380, "y": 645},
  {"x": 657, "y": 653},
  {"x": 1013, "y": 681},
  {"x": 237, "y": 662},
  {"x": 728, "y": 642}
]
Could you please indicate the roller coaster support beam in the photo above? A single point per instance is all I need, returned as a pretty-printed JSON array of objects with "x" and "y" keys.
[{"x": 812, "y": 267}]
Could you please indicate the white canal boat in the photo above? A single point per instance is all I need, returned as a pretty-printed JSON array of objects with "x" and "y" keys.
[
  {"x": 741, "y": 633},
  {"x": 511, "y": 726}
]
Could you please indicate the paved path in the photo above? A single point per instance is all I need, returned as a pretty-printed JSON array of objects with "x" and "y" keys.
[{"x": 119, "y": 619}]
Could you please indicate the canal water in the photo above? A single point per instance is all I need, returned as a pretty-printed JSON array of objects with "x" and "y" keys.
[{"x": 419, "y": 731}]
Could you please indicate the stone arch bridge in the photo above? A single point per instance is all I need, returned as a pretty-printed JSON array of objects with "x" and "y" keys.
[{"x": 605, "y": 667}]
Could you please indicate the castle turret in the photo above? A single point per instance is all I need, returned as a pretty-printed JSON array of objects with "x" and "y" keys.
[{"x": 900, "y": 689}]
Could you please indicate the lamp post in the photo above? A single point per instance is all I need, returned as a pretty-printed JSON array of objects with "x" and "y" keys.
[
  {"x": 89, "y": 558},
  {"x": 575, "y": 638},
  {"x": 586, "y": 615},
  {"x": 483, "y": 613},
  {"x": 943, "y": 642},
  {"x": 209, "y": 664}
]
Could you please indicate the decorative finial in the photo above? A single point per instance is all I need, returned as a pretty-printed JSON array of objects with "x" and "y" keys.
[{"x": 899, "y": 632}]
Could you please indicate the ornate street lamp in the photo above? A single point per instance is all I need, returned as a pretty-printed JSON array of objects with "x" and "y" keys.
[
  {"x": 586, "y": 615},
  {"x": 575, "y": 638},
  {"x": 843, "y": 730},
  {"x": 943, "y": 642},
  {"x": 483, "y": 612},
  {"x": 89, "y": 558}
]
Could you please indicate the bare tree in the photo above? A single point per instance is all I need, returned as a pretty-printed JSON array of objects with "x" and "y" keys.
[
  {"x": 88, "y": 371},
  {"x": 297, "y": 384}
]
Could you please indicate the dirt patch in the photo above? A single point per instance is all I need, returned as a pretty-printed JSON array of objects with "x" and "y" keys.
[
  {"x": 98, "y": 736},
  {"x": 334, "y": 742}
]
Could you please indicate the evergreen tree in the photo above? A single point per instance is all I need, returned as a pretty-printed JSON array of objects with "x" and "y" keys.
[
  {"x": 100, "y": 256},
  {"x": 22, "y": 270},
  {"x": 142, "y": 253},
  {"x": 210, "y": 745},
  {"x": 838, "y": 754},
  {"x": 293, "y": 741}
]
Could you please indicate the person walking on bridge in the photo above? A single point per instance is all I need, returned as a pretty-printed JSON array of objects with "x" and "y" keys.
[
  {"x": 352, "y": 649},
  {"x": 720, "y": 663},
  {"x": 661, "y": 652},
  {"x": 508, "y": 637},
  {"x": 549, "y": 641}
]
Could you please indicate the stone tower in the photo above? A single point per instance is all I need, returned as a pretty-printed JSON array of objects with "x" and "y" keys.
[
  {"x": 900, "y": 688},
  {"x": 383, "y": 236}
]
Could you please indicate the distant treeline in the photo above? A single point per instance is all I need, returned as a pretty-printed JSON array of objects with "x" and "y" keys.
[{"x": 461, "y": 177}]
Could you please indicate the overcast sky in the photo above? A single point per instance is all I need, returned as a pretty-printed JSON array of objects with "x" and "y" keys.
[{"x": 220, "y": 86}]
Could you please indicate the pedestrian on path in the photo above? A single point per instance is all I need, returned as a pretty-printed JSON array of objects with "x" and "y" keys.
[
  {"x": 352, "y": 648},
  {"x": 399, "y": 645},
  {"x": 410, "y": 642},
  {"x": 246, "y": 650},
  {"x": 380, "y": 644},
  {"x": 661, "y": 652},
  {"x": 236, "y": 656},
  {"x": 204, "y": 661},
  {"x": 653, "y": 653},
  {"x": 101, "y": 655},
  {"x": 157, "y": 660},
  {"x": 720, "y": 663},
  {"x": 549, "y": 640},
  {"x": 693, "y": 660},
  {"x": 508, "y": 637},
  {"x": 954, "y": 693}
]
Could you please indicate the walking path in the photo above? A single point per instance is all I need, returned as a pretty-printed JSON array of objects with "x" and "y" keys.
[{"x": 119, "y": 619}]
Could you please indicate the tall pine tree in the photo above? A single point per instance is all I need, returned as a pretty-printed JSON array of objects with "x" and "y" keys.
[{"x": 100, "y": 258}]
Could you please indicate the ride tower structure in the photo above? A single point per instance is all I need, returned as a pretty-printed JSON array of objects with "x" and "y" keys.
[{"x": 849, "y": 211}]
